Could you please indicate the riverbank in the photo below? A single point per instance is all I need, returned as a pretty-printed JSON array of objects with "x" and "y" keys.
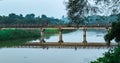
[{"x": 13, "y": 34}]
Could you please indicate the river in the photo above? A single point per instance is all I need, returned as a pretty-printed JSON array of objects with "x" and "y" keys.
[
  {"x": 56, "y": 55},
  {"x": 77, "y": 36}
]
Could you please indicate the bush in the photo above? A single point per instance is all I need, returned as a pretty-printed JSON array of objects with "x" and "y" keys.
[{"x": 112, "y": 56}]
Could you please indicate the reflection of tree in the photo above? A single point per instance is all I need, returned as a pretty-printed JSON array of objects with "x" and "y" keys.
[
  {"x": 47, "y": 37},
  {"x": 17, "y": 42}
]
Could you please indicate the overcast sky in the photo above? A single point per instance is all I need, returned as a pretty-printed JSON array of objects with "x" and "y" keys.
[{"x": 51, "y": 8}]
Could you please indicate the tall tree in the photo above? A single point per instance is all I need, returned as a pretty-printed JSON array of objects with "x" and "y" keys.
[
  {"x": 114, "y": 33},
  {"x": 79, "y": 9}
]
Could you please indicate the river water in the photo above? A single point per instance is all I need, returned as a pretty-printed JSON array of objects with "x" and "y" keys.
[
  {"x": 56, "y": 55},
  {"x": 77, "y": 36}
]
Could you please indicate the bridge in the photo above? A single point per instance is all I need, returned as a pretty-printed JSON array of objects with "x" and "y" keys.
[
  {"x": 50, "y": 26},
  {"x": 61, "y": 42}
]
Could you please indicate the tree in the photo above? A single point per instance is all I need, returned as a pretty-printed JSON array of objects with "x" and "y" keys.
[
  {"x": 43, "y": 16},
  {"x": 78, "y": 9},
  {"x": 112, "y": 56},
  {"x": 30, "y": 16},
  {"x": 114, "y": 33}
]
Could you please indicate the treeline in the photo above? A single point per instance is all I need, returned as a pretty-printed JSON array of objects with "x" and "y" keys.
[
  {"x": 96, "y": 19},
  {"x": 28, "y": 19}
]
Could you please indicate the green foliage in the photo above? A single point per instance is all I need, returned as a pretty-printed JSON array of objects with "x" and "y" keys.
[
  {"x": 96, "y": 19},
  {"x": 12, "y": 34},
  {"x": 112, "y": 56},
  {"x": 54, "y": 31},
  {"x": 75, "y": 8},
  {"x": 79, "y": 9},
  {"x": 49, "y": 32},
  {"x": 28, "y": 19},
  {"x": 114, "y": 33}
]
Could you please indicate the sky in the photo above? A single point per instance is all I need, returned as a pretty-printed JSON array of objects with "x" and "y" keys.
[{"x": 51, "y": 8}]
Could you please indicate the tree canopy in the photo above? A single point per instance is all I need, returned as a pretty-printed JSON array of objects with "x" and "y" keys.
[
  {"x": 114, "y": 33},
  {"x": 12, "y": 18},
  {"x": 79, "y": 9}
]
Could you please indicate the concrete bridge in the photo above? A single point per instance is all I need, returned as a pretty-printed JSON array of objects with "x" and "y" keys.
[
  {"x": 51, "y": 26},
  {"x": 61, "y": 28},
  {"x": 61, "y": 42}
]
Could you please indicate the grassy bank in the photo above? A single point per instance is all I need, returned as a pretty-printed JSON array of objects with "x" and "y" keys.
[
  {"x": 56, "y": 31},
  {"x": 13, "y": 34},
  {"x": 16, "y": 37}
]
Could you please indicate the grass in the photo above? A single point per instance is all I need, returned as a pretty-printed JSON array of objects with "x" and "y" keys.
[{"x": 13, "y": 34}]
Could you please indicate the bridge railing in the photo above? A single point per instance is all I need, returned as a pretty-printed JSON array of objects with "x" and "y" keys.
[{"x": 42, "y": 25}]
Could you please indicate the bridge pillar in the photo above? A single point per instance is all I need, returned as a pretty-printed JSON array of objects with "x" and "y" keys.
[
  {"x": 107, "y": 29},
  {"x": 84, "y": 35},
  {"x": 108, "y": 41},
  {"x": 60, "y": 35},
  {"x": 42, "y": 36}
]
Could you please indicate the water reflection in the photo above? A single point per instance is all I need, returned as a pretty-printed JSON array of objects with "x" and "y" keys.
[{"x": 17, "y": 42}]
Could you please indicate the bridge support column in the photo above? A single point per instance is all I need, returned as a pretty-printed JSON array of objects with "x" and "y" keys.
[
  {"x": 84, "y": 35},
  {"x": 42, "y": 36},
  {"x": 107, "y": 29},
  {"x": 108, "y": 41},
  {"x": 60, "y": 35}
]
